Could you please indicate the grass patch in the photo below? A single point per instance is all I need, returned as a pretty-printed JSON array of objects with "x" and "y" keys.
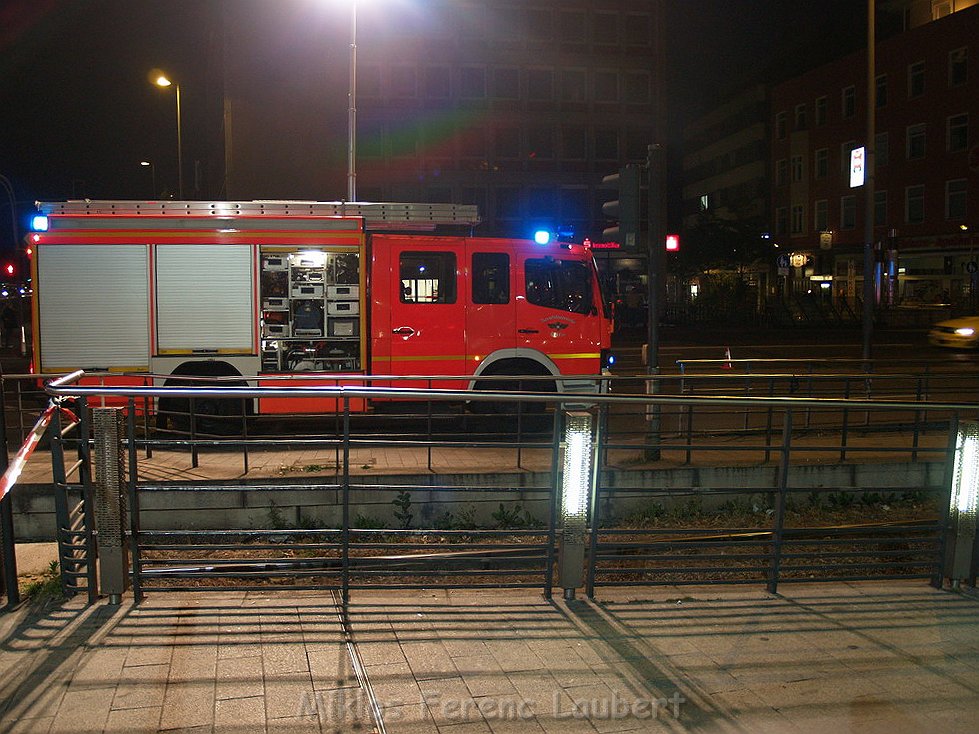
[{"x": 43, "y": 587}]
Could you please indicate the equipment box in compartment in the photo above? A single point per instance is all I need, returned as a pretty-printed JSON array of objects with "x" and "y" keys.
[
  {"x": 307, "y": 290},
  {"x": 307, "y": 318},
  {"x": 275, "y": 262},
  {"x": 345, "y": 292},
  {"x": 341, "y": 326},
  {"x": 275, "y": 330},
  {"x": 342, "y": 308},
  {"x": 275, "y": 304}
]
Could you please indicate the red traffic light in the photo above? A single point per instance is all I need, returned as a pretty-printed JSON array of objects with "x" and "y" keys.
[
  {"x": 672, "y": 242},
  {"x": 9, "y": 269}
]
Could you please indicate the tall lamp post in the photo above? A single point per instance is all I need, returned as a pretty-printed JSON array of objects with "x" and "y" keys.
[
  {"x": 352, "y": 109},
  {"x": 162, "y": 80},
  {"x": 149, "y": 164}
]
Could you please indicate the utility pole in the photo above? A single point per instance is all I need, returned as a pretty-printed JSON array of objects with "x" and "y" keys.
[
  {"x": 869, "y": 261},
  {"x": 655, "y": 241}
]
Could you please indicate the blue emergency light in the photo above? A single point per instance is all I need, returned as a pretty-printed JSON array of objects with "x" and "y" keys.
[
  {"x": 39, "y": 223},
  {"x": 542, "y": 236}
]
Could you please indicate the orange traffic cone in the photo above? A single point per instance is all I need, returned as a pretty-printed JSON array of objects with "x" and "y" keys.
[{"x": 727, "y": 358}]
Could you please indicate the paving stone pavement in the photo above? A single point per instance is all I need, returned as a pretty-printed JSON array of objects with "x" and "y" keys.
[{"x": 870, "y": 657}]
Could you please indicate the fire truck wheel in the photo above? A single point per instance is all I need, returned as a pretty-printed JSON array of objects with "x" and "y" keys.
[{"x": 509, "y": 407}]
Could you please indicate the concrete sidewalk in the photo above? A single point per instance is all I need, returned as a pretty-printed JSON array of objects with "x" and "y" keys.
[{"x": 895, "y": 657}]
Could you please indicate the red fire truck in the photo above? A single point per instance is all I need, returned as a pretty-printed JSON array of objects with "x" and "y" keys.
[{"x": 299, "y": 293}]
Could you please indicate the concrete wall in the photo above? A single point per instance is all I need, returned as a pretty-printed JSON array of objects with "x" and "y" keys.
[{"x": 472, "y": 498}]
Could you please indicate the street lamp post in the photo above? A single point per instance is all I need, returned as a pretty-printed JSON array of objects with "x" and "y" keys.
[
  {"x": 352, "y": 109},
  {"x": 152, "y": 168},
  {"x": 163, "y": 81}
]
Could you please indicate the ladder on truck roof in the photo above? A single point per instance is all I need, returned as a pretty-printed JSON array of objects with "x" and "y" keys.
[{"x": 376, "y": 215}]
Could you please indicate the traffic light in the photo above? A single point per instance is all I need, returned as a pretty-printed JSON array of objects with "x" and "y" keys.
[
  {"x": 9, "y": 269},
  {"x": 625, "y": 208}
]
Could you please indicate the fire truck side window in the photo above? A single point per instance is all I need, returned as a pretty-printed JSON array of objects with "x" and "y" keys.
[
  {"x": 564, "y": 285},
  {"x": 491, "y": 277},
  {"x": 428, "y": 277}
]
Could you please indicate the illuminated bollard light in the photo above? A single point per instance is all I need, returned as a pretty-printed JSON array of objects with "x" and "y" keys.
[
  {"x": 962, "y": 505},
  {"x": 576, "y": 489}
]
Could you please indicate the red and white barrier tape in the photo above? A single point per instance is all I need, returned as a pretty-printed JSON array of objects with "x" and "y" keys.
[{"x": 12, "y": 474}]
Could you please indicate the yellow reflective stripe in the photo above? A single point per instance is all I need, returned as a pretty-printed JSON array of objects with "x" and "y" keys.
[
  {"x": 581, "y": 355},
  {"x": 418, "y": 358}
]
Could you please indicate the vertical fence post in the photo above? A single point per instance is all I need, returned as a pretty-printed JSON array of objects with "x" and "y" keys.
[
  {"x": 345, "y": 511},
  {"x": 88, "y": 499},
  {"x": 917, "y": 424},
  {"x": 845, "y": 428},
  {"x": 780, "y": 500},
  {"x": 131, "y": 486},
  {"x": 8, "y": 556},
  {"x": 61, "y": 522},
  {"x": 595, "y": 502},
  {"x": 110, "y": 504},
  {"x": 553, "y": 504},
  {"x": 576, "y": 479}
]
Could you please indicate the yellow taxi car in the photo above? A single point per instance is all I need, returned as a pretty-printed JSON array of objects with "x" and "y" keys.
[{"x": 959, "y": 333}]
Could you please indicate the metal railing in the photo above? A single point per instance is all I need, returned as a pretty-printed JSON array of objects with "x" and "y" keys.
[{"x": 663, "y": 524}]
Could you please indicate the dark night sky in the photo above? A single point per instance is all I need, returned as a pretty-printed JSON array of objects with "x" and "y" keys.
[{"x": 79, "y": 114}]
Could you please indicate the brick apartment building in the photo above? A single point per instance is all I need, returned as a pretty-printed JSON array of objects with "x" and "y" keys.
[{"x": 926, "y": 182}]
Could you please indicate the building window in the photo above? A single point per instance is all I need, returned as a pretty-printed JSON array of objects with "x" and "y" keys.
[
  {"x": 914, "y": 204},
  {"x": 472, "y": 82},
  {"x": 508, "y": 143},
  {"x": 849, "y": 101},
  {"x": 822, "y": 163},
  {"x": 800, "y": 117},
  {"x": 820, "y": 220},
  {"x": 957, "y": 133},
  {"x": 880, "y": 90},
  {"x": 506, "y": 83},
  {"x": 821, "y": 106},
  {"x": 574, "y": 143},
  {"x": 540, "y": 84},
  {"x": 958, "y": 67},
  {"x": 606, "y": 86},
  {"x": 573, "y": 26},
  {"x": 637, "y": 87},
  {"x": 955, "y": 198},
  {"x": 781, "y": 125},
  {"x": 638, "y": 29},
  {"x": 605, "y": 29},
  {"x": 848, "y": 212},
  {"x": 916, "y": 79},
  {"x": 845, "y": 150},
  {"x": 781, "y": 220},
  {"x": 508, "y": 204},
  {"x": 404, "y": 81},
  {"x": 798, "y": 219},
  {"x": 882, "y": 149},
  {"x": 916, "y": 141},
  {"x": 940, "y": 8},
  {"x": 540, "y": 141},
  {"x": 574, "y": 87},
  {"x": 437, "y": 82},
  {"x": 880, "y": 208},
  {"x": 540, "y": 25},
  {"x": 782, "y": 172},
  {"x": 797, "y": 168},
  {"x": 606, "y": 145}
]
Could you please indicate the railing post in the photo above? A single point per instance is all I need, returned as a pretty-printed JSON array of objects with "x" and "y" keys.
[
  {"x": 963, "y": 498},
  {"x": 8, "y": 555},
  {"x": 553, "y": 504},
  {"x": 131, "y": 486},
  {"x": 780, "y": 500},
  {"x": 110, "y": 502},
  {"x": 345, "y": 511},
  {"x": 595, "y": 501},
  {"x": 576, "y": 490}
]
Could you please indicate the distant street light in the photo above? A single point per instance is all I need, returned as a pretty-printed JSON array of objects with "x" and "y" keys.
[
  {"x": 152, "y": 168},
  {"x": 161, "y": 80}
]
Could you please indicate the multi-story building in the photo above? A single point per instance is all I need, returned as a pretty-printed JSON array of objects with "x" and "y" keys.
[
  {"x": 518, "y": 106},
  {"x": 925, "y": 164}
]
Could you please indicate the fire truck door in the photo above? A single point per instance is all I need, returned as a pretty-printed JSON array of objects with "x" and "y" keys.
[
  {"x": 489, "y": 317},
  {"x": 427, "y": 321}
]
